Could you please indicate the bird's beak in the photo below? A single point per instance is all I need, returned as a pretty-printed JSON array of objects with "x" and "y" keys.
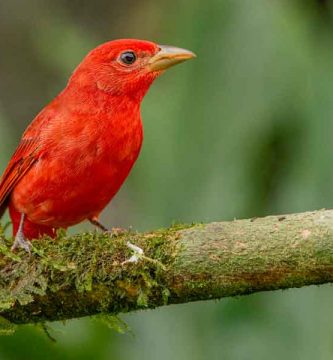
[{"x": 169, "y": 56}]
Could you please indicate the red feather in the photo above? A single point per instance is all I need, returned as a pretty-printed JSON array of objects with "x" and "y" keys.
[
  {"x": 80, "y": 148},
  {"x": 23, "y": 158}
]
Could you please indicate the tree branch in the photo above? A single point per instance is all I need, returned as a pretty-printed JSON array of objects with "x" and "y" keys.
[{"x": 81, "y": 275}]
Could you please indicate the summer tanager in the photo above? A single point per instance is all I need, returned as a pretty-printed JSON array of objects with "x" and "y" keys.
[{"x": 77, "y": 152}]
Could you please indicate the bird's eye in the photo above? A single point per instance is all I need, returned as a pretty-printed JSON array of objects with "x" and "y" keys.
[{"x": 128, "y": 57}]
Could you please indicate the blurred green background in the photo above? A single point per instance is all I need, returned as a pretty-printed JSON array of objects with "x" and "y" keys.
[{"x": 244, "y": 130}]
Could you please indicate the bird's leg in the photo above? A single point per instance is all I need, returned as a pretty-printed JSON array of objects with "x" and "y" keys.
[
  {"x": 113, "y": 232},
  {"x": 99, "y": 225},
  {"x": 20, "y": 240},
  {"x": 138, "y": 252}
]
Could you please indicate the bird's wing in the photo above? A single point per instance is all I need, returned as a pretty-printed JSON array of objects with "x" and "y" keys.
[{"x": 22, "y": 160}]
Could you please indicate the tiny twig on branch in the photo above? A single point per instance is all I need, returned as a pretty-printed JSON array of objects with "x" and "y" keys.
[{"x": 82, "y": 275}]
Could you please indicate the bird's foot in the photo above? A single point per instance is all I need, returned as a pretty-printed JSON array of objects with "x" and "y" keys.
[
  {"x": 137, "y": 253},
  {"x": 21, "y": 242},
  {"x": 116, "y": 231}
]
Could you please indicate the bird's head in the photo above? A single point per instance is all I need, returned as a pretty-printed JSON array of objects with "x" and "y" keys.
[{"x": 127, "y": 67}]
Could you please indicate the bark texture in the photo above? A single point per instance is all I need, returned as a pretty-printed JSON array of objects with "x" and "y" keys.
[{"x": 82, "y": 275}]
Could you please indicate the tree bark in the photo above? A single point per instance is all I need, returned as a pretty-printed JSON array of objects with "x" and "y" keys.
[{"x": 82, "y": 275}]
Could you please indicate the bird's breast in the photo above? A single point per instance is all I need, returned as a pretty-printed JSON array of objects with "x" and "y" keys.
[{"x": 79, "y": 171}]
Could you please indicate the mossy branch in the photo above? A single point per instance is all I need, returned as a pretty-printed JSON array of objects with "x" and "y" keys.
[{"x": 81, "y": 275}]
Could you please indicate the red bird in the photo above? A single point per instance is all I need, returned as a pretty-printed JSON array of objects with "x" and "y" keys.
[{"x": 77, "y": 152}]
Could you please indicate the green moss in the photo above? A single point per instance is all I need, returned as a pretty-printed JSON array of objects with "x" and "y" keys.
[
  {"x": 113, "y": 322},
  {"x": 83, "y": 274},
  {"x": 6, "y": 327}
]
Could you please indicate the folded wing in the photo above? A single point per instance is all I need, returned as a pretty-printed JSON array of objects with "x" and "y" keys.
[{"x": 22, "y": 160}]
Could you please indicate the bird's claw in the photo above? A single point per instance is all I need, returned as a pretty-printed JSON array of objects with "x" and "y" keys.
[
  {"x": 20, "y": 240},
  {"x": 138, "y": 253},
  {"x": 114, "y": 232},
  {"x": 21, "y": 243}
]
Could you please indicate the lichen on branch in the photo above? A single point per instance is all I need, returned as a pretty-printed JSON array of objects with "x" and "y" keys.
[{"x": 81, "y": 275}]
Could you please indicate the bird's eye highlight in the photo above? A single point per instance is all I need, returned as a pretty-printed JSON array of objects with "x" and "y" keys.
[{"x": 128, "y": 57}]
